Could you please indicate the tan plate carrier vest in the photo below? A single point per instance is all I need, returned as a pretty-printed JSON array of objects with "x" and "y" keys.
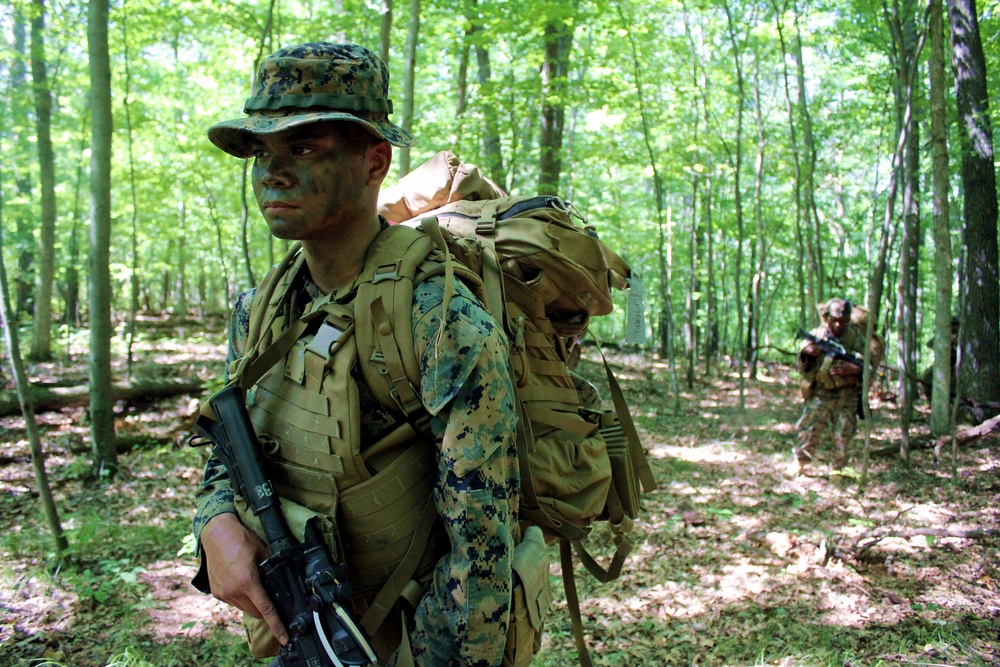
[{"x": 303, "y": 400}]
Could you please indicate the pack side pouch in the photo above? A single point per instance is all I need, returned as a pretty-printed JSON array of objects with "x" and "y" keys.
[
  {"x": 624, "y": 477},
  {"x": 531, "y": 599},
  {"x": 262, "y": 643}
]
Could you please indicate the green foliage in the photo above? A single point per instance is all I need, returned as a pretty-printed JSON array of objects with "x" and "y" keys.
[{"x": 108, "y": 578}]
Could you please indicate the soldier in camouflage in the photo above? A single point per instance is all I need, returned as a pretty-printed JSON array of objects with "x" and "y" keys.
[
  {"x": 318, "y": 131},
  {"x": 831, "y": 388}
]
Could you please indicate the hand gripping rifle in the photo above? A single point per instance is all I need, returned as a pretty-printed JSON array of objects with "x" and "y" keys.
[
  {"x": 301, "y": 579},
  {"x": 831, "y": 348},
  {"x": 836, "y": 351}
]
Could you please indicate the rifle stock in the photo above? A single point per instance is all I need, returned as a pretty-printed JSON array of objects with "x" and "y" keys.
[{"x": 300, "y": 578}]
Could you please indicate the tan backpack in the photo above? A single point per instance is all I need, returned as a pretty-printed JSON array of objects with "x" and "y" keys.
[{"x": 545, "y": 274}]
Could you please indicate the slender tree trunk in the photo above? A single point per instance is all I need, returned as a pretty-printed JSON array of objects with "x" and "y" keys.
[
  {"x": 690, "y": 325},
  {"x": 814, "y": 239},
  {"x": 41, "y": 333},
  {"x": 711, "y": 346},
  {"x": 800, "y": 273},
  {"x": 409, "y": 76},
  {"x": 71, "y": 314},
  {"x": 385, "y": 31},
  {"x": 182, "y": 286},
  {"x": 555, "y": 71},
  {"x": 24, "y": 279},
  {"x": 691, "y": 298},
  {"x": 737, "y": 164},
  {"x": 462, "y": 84},
  {"x": 758, "y": 287},
  {"x": 27, "y": 407},
  {"x": 663, "y": 226},
  {"x": 875, "y": 287},
  {"x": 492, "y": 152},
  {"x": 943, "y": 272},
  {"x": 133, "y": 310},
  {"x": 102, "y": 427},
  {"x": 980, "y": 294},
  {"x": 907, "y": 45}
]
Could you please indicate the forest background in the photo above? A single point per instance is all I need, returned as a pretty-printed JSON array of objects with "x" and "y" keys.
[{"x": 749, "y": 159}]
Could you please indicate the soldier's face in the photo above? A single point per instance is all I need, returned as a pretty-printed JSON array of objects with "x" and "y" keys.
[
  {"x": 838, "y": 325},
  {"x": 311, "y": 182}
]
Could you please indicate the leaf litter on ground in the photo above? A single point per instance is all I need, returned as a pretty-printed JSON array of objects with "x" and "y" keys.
[{"x": 732, "y": 565}]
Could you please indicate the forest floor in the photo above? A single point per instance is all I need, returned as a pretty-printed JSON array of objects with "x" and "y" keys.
[{"x": 733, "y": 565}]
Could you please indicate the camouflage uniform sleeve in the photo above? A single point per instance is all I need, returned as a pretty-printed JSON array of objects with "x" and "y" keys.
[
  {"x": 463, "y": 618},
  {"x": 214, "y": 495}
]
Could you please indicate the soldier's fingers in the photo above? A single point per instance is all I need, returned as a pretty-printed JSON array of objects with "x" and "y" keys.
[{"x": 268, "y": 612}]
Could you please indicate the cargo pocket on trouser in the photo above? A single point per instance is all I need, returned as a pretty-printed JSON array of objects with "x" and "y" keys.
[
  {"x": 262, "y": 642},
  {"x": 531, "y": 599}
]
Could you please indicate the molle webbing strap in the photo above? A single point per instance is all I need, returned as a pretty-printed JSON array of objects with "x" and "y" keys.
[
  {"x": 431, "y": 228},
  {"x": 403, "y": 392},
  {"x": 623, "y": 547},
  {"x": 399, "y": 582},
  {"x": 628, "y": 427},
  {"x": 573, "y": 603},
  {"x": 557, "y": 417},
  {"x": 383, "y": 308},
  {"x": 266, "y": 289}
]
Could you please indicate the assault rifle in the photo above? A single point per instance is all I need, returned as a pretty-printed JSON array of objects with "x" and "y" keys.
[
  {"x": 301, "y": 579},
  {"x": 836, "y": 351},
  {"x": 831, "y": 348}
]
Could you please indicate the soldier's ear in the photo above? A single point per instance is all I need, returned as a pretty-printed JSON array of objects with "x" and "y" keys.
[{"x": 378, "y": 159}]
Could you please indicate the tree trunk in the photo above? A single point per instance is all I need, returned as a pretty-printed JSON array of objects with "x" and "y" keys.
[
  {"x": 71, "y": 314},
  {"x": 41, "y": 332},
  {"x": 102, "y": 429},
  {"x": 555, "y": 71},
  {"x": 491, "y": 130},
  {"x": 691, "y": 298},
  {"x": 182, "y": 287},
  {"x": 133, "y": 282},
  {"x": 711, "y": 344},
  {"x": 737, "y": 165},
  {"x": 943, "y": 273},
  {"x": 979, "y": 355},
  {"x": 758, "y": 287},
  {"x": 906, "y": 46},
  {"x": 27, "y": 409},
  {"x": 663, "y": 226},
  {"x": 409, "y": 76},
  {"x": 385, "y": 31},
  {"x": 800, "y": 273},
  {"x": 462, "y": 84},
  {"x": 24, "y": 282},
  {"x": 817, "y": 277}
]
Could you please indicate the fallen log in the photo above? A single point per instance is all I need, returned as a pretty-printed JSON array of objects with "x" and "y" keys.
[
  {"x": 967, "y": 435},
  {"x": 56, "y": 398}
]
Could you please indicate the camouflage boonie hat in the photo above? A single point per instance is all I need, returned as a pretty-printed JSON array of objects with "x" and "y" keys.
[
  {"x": 309, "y": 83},
  {"x": 835, "y": 308}
]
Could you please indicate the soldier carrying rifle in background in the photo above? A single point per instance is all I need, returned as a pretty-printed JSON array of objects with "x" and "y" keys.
[{"x": 831, "y": 363}]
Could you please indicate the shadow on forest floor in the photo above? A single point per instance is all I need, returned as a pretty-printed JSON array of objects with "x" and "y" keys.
[{"x": 733, "y": 564}]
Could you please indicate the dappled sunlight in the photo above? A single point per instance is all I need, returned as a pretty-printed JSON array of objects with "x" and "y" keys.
[{"x": 712, "y": 452}]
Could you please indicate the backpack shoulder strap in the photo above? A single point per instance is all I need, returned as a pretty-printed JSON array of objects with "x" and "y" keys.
[
  {"x": 267, "y": 343},
  {"x": 382, "y": 309}
]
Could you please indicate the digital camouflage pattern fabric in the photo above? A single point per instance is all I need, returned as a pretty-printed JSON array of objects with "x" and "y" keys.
[
  {"x": 309, "y": 83},
  {"x": 831, "y": 401}
]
